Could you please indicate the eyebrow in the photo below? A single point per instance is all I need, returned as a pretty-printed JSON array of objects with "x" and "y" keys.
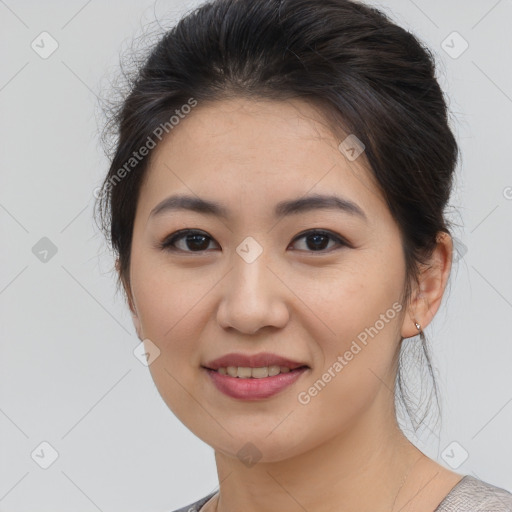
[{"x": 282, "y": 209}]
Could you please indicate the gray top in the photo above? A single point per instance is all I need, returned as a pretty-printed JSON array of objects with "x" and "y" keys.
[{"x": 469, "y": 495}]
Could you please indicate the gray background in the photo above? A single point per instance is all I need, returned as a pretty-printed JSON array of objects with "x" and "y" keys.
[{"x": 68, "y": 375}]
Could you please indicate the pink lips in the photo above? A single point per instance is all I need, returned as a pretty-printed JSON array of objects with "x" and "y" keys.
[
  {"x": 254, "y": 389},
  {"x": 252, "y": 361},
  {"x": 251, "y": 388}
]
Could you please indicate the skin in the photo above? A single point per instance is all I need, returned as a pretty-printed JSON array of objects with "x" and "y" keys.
[{"x": 344, "y": 446}]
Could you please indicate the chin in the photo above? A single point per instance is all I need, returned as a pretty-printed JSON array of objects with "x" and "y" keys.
[{"x": 256, "y": 447}]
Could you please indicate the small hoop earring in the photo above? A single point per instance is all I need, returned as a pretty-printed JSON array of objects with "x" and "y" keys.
[{"x": 418, "y": 326}]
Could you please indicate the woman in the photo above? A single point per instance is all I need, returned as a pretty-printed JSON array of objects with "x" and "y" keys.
[{"x": 276, "y": 203}]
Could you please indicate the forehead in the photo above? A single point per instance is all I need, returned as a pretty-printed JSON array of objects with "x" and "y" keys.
[{"x": 250, "y": 154}]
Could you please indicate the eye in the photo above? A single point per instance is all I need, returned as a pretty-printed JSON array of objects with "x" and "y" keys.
[
  {"x": 193, "y": 241},
  {"x": 318, "y": 240},
  {"x": 198, "y": 241}
]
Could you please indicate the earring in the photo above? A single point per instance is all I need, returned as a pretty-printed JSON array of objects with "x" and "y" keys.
[{"x": 418, "y": 326}]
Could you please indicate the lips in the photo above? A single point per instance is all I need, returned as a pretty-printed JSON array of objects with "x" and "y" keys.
[
  {"x": 254, "y": 389},
  {"x": 253, "y": 361}
]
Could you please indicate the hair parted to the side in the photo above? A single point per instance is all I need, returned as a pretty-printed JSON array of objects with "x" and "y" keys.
[{"x": 368, "y": 76}]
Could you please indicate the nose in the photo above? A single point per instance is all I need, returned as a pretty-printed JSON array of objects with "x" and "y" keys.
[{"x": 253, "y": 297}]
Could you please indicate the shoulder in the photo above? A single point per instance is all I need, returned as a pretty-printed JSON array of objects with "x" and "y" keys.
[
  {"x": 196, "y": 506},
  {"x": 474, "y": 495}
]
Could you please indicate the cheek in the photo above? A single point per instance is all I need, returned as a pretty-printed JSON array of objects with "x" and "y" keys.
[
  {"x": 366, "y": 323},
  {"x": 358, "y": 366},
  {"x": 361, "y": 306},
  {"x": 174, "y": 305},
  {"x": 165, "y": 296},
  {"x": 354, "y": 295},
  {"x": 170, "y": 312}
]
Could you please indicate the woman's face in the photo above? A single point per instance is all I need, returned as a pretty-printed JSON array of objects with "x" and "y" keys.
[{"x": 261, "y": 279}]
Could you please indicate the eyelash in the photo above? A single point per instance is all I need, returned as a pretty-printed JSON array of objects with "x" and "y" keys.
[{"x": 167, "y": 243}]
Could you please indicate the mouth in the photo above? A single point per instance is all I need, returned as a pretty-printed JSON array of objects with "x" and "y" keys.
[
  {"x": 253, "y": 377},
  {"x": 246, "y": 372},
  {"x": 264, "y": 364}
]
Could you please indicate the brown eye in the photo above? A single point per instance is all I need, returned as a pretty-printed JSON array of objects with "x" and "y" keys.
[
  {"x": 318, "y": 241},
  {"x": 190, "y": 240}
]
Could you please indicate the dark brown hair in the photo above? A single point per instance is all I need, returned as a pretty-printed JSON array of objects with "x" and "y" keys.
[{"x": 368, "y": 76}]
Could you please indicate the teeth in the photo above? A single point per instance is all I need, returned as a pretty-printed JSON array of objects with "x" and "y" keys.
[
  {"x": 244, "y": 372},
  {"x": 258, "y": 373}
]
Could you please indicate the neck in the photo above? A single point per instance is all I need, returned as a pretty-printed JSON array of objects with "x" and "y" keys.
[{"x": 361, "y": 468}]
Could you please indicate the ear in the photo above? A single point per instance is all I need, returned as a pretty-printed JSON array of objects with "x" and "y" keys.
[
  {"x": 428, "y": 294},
  {"x": 130, "y": 302}
]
